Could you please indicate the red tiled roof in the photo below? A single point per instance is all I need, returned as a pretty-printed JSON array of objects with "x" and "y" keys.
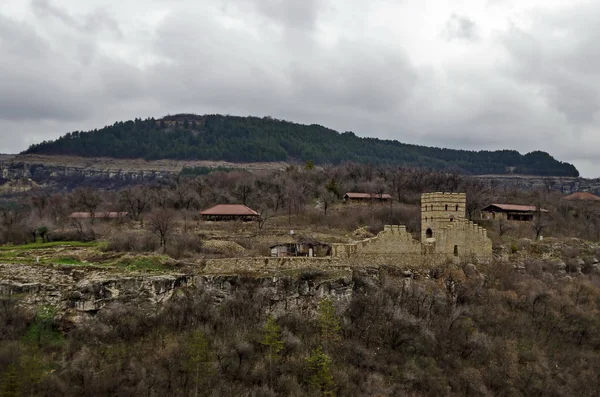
[
  {"x": 98, "y": 215},
  {"x": 230, "y": 210},
  {"x": 514, "y": 207},
  {"x": 367, "y": 195},
  {"x": 582, "y": 196}
]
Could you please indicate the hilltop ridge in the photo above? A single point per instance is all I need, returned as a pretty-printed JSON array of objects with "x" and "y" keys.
[{"x": 254, "y": 139}]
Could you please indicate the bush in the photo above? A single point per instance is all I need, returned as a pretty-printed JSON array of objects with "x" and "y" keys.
[
  {"x": 71, "y": 235},
  {"x": 184, "y": 245},
  {"x": 133, "y": 242},
  {"x": 16, "y": 234}
]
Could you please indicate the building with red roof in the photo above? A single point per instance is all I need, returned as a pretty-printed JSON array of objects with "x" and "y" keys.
[
  {"x": 511, "y": 212},
  {"x": 229, "y": 212},
  {"x": 582, "y": 196}
]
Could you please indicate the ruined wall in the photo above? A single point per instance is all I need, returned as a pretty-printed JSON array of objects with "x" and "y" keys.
[
  {"x": 452, "y": 236},
  {"x": 393, "y": 240},
  {"x": 464, "y": 238},
  {"x": 258, "y": 264},
  {"x": 439, "y": 210}
]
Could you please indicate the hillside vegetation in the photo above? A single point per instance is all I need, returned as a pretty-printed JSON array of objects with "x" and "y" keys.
[
  {"x": 253, "y": 139},
  {"x": 526, "y": 324},
  {"x": 463, "y": 331}
]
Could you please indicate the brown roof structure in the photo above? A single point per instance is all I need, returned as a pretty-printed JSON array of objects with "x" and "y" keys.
[
  {"x": 98, "y": 215},
  {"x": 353, "y": 195},
  {"x": 512, "y": 208},
  {"x": 584, "y": 196},
  {"x": 229, "y": 210}
]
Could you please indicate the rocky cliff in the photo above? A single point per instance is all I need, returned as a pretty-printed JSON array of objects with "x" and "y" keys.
[
  {"x": 24, "y": 171},
  {"x": 79, "y": 292}
]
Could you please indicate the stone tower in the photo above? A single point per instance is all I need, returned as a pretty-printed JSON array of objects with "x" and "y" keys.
[{"x": 439, "y": 210}]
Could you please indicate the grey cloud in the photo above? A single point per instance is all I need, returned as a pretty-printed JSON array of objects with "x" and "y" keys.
[
  {"x": 558, "y": 56},
  {"x": 296, "y": 14},
  {"x": 93, "y": 22},
  {"x": 18, "y": 39},
  {"x": 31, "y": 83},
  {"x": 223, "y": 67},
  {"x": 461, "y": 28},
  {"x": 367, "y": 79},
  {"x": 538, "y": 95},
  {"x": 41, "y": 81}
]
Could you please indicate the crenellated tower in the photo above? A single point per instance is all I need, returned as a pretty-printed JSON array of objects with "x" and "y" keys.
[{"x": 440, "y": 210}]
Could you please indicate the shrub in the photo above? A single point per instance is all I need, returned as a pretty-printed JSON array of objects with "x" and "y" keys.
[
  {"x": 71, "y": 235},
  {"x": 133, "y": 242},
  {"x": 184, "y": 245}
]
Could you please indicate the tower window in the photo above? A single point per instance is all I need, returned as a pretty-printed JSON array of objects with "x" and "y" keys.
[
  {"x": 429, "y": 233},
  {"x": 446, "y": 208},
  {"x": 451, "y": 219},
  {"x": 456, "y": 207},
  {"x": 456, "y": 250}
]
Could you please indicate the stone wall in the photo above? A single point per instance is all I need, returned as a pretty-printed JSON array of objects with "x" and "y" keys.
[
  {"x": 453, "y": 236},
  {"x": 266, "y": 265},
  {"x": 258, "y": 264},
  {"x": 463, "y": 238},
  {"x": 439, "y": 210},
  {"x": 394, "y": 239}
]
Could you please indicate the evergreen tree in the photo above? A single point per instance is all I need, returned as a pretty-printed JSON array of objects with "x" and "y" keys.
[
  {"x": 272, "y": 340},
  {"x": 199, "y": 361},
  {"x": 319, "y": 368},
  {"x": 10, "y": 384},
  {"x": 328, "y": 322},
  {"x": 246, "y": 139}
]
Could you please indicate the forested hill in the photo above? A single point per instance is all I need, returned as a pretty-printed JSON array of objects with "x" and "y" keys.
[{"x": 253, "y": 139}]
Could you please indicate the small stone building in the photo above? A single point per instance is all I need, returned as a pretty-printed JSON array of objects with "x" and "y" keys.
[{"x": 308, "y": 248}]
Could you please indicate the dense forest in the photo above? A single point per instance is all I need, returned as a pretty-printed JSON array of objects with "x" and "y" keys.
[{"x": 253, "y": 139}]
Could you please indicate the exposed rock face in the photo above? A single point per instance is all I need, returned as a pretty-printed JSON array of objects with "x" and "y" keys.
[
  {"x": 75, "y": 292},
  {"x": 566, "y": 185},
  {"x": 284, "y": 293},
  {"x": 84, "y": 290},
  {"x": 43, "y": 168}
]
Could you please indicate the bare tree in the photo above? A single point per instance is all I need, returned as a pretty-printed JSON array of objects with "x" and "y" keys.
[
  {"x": 243, "y": 190},
  {"x": 77, "y": 225},
  {"x": 326, "y": 199},
  {"x": 265, "y": 215},
  {"x": 86, "y": 199},
  {"x": 503, "y": 227},
  {"x": 539, "y": 223},
  {"x": 186, "y": 215},
  {"x": 162, "y": 223},
  {"x": 399, "y": 181},
  {"x": 161, "y": 196},
  {"x": 40, "y": 202},
  {"x": 57, "y": 208},
  {"x": 475, "y": 198},
  {"x": 12, "y": 226},
  {"x": 136, "y": 200},
  {"x": 183, "y": 195},
  {"x": 452, "y": 180}
]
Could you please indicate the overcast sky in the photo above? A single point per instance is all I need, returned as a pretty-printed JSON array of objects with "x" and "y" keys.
[{"x": 487, "y": 74}]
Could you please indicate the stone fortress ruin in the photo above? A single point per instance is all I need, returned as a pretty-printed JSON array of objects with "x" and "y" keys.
[{"x": 446, "y": 233}]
